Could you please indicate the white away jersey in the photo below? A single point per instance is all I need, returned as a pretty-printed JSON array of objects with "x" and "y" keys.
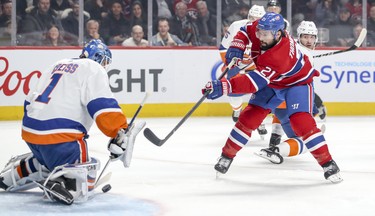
[{"x": 68, "y": 97}]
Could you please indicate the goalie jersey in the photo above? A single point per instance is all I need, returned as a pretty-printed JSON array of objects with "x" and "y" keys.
[{"x": 67, "y": 99}]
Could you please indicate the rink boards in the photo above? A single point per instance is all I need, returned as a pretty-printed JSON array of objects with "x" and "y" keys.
[{"x": 175, "y": 78}]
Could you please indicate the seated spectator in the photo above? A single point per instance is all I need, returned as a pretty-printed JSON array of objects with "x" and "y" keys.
[
  {"x": 138, "y": 17},
  {"x": 191, "y": 7},
  {"x": 163, "y": 37},
  {"x": 342, "y": 29},
  {"x": 53, "y": 38},
  {"x": 206, "y": 24},
  {"x": 356, "y": 31},
  {"x": 137, "y": 38},
  {"x": 6, "y": 34},
  {"x": 240, "y": 14},
  {"x": 355, "y": 8},
  {"x": 37, "y": 22},
  {"x": 70, "y": 22},
  {"x": 371, "y": 20},
  {"x": 184, "y": 26},
  {"x": 92, "y": 31},
  {"x": 96, "y": 9},
  {"x": 326, "y": 12},
  {"x": 59, "y": 6},
  {"x": 5, "y": 16},
  {"x": 115, "y": 28},
  {"x": 162, "y": 8}
]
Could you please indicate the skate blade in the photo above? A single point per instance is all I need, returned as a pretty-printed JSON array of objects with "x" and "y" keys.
[
  {"x": 336, "y": 178},
  {"x": 275, "y": 160}
]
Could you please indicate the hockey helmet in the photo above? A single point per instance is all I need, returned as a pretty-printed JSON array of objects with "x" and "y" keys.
[
  {"x": 97, "y": 51},
  {"x": 271, "y": 22},
  {"x": 256, "y": 11},
  {"x": 309, "y": 28},
  {"x": 273, "y": 3}
]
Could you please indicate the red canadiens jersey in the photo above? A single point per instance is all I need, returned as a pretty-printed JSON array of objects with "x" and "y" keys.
[{"x": 283, "y": 65}]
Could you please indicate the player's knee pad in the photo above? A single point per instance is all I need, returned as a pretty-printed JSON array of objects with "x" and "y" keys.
[
  {"x": 21, "y": 171},
  {"x": 303, "y": 124},
  {"x": 252, "y": 116},
  {"x": 79, "y": 179}
]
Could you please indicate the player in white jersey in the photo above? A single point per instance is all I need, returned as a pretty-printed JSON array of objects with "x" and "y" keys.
[
  {"x": 235, "y": 100},
  {"x": 307, "y": 39},
  {"x": 59, "y": 111}
]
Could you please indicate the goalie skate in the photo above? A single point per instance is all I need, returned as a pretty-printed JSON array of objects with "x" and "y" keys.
[
  {"x": 56, "y": 192},
  {"x": 332, "y": 172},
  {"x": 271, "y": 155}
]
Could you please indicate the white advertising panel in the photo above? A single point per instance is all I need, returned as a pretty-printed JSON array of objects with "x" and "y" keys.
[{"x": 177, "y": 76}]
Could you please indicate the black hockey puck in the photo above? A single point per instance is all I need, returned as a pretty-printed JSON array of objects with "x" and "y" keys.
[{"x": 106, "y": 188}]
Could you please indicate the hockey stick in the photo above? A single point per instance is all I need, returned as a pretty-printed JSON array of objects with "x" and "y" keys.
[
  {"x": 129, "y": 126},
  {"x": 357, "y": 44},
  {"x": 159, "y": 142}
]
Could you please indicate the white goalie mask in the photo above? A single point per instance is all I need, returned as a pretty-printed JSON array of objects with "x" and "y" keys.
[
  {"x": 309, "y": 28},
  {"x": 255, "y": 12}
]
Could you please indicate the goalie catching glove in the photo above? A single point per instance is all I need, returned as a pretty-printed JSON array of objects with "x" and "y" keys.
[
  {"x": 217, "y": 88},
  {"x": 121, "y": 147}
]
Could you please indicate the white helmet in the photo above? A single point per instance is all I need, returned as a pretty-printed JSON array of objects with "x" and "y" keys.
[
  {"x": 307, "y": 27},
  {"x": 256, "y": 11}
]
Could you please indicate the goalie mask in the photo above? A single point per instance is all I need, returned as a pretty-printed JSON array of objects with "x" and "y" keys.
[
  {"x": 309, "y": 32},
  {"x": 97, "y": 51}
]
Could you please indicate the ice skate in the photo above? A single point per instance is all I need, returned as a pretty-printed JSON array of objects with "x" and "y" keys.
[
  {"x": 236, "y": 114},
  {"x": 270, "y": 154},
  {"x": 56, "y": 191},
  {"x": 322, "y": 113},
  {"x": 274, "y": 140},
  {"x": 332, "y": 172},
  {"x": 262, "y": 131},
  {"x": 223, "y": 164}
]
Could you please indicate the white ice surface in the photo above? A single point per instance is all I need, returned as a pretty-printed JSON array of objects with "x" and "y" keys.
[{"x": 178, "y": 179}]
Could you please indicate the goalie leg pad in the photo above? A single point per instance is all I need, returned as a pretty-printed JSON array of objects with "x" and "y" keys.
[{"x": 21, "y": 171}]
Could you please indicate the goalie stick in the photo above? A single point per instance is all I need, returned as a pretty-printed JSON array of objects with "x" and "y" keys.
[
  {"x": 159, "y": 142},
  {"x": 357, "y": 44},
  {"x": 129, "y": 126}
]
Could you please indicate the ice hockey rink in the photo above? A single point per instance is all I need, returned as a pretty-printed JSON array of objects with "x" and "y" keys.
[{"x": 178, "y": 178}]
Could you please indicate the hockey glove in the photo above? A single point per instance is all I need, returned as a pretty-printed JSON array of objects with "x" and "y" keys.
[
  {"x": 236, "y": 49},
  {"x": 117, "y": 145},
  {"x": 121, "y": 147},
  {"x": 217, "y": 88}
]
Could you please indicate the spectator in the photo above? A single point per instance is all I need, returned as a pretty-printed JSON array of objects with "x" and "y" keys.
[
  {"x": 342, "y": 30},
  {"x": 325, "y": 13},
  {"x": 136, "y": 38},
  {"x": 191, "y": 7},
  {"x": 206, "y": 24},
  {"x": 163, "y": 37},
  {"x": 138, "y": 17},
  {"x": 60, "y": 5},
  {"x": 53, "y": 38},
  {"x": 37, "y": 23},
  {"x": 162, "y": 8},
  {"x": 92, "y": 31},
  {"x": 115, "y": 28},
  {"x": 356, "y": 31},
  {"x": 70, "y": 22},
  {"x": 240, "y": 13},
  {"x": 184, "y": 26},
  {"x": 275, "y": 7},
  {"x": 355, "y": 8},
  {"x": 371, "y": 23},
  {"x": 6, "y": 34},
  {"x": 6, "y": 14},
  {"x": 96, "y": 9}
]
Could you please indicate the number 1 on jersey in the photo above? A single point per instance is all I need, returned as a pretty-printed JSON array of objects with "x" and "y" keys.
[{"x": 44, "y": 97}]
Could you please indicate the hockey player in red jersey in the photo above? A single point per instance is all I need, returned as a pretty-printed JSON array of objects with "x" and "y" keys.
[
  {"x": 283, "y": 72},
  {"x": 59, "y": 111}
]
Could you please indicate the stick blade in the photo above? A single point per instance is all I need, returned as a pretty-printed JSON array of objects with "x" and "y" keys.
[
  {"x": 361, "y": 37},
  {"x": 152, "y": 137}
]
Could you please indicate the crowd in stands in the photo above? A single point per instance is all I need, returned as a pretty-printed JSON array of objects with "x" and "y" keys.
[{"x": 174, "y": 22}]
